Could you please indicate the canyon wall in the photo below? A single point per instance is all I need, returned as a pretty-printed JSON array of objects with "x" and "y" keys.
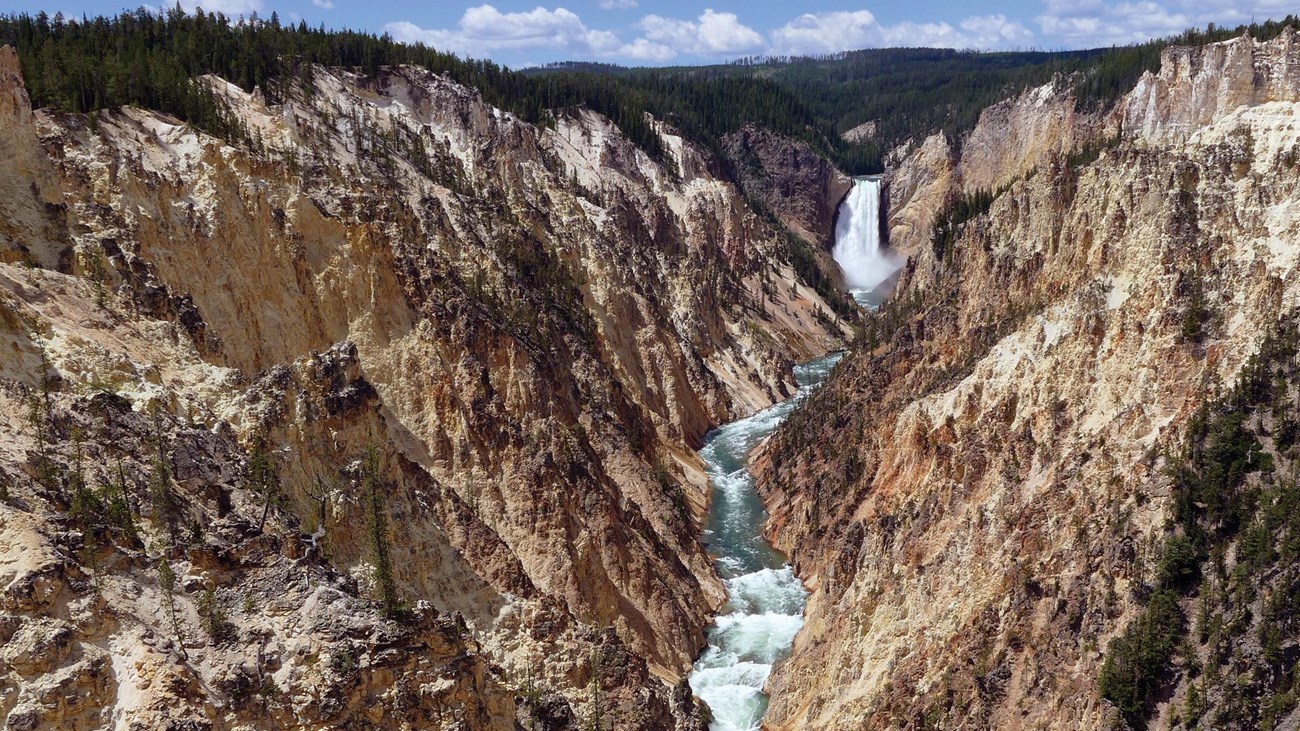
[
  {"x": 789, "y": 178},
  {"x": 389, "y": 315},
  {"x": 977, "y": 497},
  {"x": 1012, "y": 138}
]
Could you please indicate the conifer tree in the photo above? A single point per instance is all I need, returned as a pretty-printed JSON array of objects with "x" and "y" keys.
[{"x": 377, "y": 524}]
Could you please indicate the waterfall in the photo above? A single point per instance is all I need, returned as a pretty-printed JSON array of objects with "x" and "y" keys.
[{"x": 857, "y": 242}]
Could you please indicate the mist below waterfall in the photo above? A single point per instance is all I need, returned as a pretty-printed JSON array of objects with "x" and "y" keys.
[{"x": 866, "y": 266}]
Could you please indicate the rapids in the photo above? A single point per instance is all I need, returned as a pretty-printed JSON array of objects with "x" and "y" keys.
[{"x": 765, "y": 601}]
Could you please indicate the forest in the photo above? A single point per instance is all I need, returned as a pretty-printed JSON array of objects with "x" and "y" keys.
[
  {"x": 911, "y": 92},
  {"x": 149, "y": 59}
]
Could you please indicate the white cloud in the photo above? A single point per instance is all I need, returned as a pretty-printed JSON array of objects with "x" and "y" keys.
[
  {"x": 484, "y": 29},
  {"x": 827, "y": 33},
  {"x": 644, "y": 50},
  {"x": 817, "y": 33},
  {"x": 1088, "y": 23},
  {"x": 229, "y": 8},
  {"x": 323, "y": 4},
  {"x": 713, "y": 34},
  {"x": 996, "y": 31}
]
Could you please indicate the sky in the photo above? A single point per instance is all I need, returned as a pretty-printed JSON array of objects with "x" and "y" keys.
[{"x": 646, "y": 32}]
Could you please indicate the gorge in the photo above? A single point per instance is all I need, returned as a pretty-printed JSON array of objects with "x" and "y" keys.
[
  {"x": 350, "y": 384},
  {"x": 764, "y": 599}
]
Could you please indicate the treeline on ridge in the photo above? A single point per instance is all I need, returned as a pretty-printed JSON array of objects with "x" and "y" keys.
[
  {"x": 909, "y": 93},
  {"x": 149, "y": 59}
]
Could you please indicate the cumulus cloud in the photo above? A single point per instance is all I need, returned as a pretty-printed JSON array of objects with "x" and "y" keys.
[
  {"x": 996, "y": 31},
  {"x": 484, "y": 29},
  {"x": 229, "y": 8},
  {"x": 712, "y": 34},
  {"x": 645, "y": 50},
  {"x": 816, "y": 33},
  {"x": 1086, "y": 23},
  {"x": 813, "y": 33}
]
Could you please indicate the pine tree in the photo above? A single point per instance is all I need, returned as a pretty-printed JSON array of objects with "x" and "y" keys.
[
  {"x": 263, "y": 480},
  {"x": 167, "y": 583},
  {"x": 597, "y": 719},
  {"x": 377, "y": 523}
]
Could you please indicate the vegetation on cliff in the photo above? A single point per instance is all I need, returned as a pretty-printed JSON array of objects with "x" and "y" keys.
[
  {"x": 149, "y": 59},
  {"x": 910, "y": 93},
  {"x": 1231, "y": 562}
]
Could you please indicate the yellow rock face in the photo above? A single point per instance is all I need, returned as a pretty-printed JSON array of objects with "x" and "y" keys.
[
  {"x": 533, "y": 328},
  {"x": 979, "y": 494}
]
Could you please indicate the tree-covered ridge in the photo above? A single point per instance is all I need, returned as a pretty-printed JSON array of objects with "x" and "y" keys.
[
  {"x": 150, "y": 60},
  {"x": 913, "y": 92}
]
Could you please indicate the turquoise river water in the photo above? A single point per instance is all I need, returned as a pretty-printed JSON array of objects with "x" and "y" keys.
[{"x": 765, "y": 601}]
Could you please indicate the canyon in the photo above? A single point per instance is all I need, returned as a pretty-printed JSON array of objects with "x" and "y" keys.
[
  {"x": 393, "y": 410},
  {"x": 516, "y": 336},
  {"x": 977, "y": 496}
]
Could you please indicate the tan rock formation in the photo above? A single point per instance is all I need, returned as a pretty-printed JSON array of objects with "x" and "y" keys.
[
  {"x": 29, "y": 200},
  {"x": 976, "y": 496},
  {"x": 1011, "y": 140},
  {"x": 533, "y": 328},
  {"x": 860, "y": 133}
]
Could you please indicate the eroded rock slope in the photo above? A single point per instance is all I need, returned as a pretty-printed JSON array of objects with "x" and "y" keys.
[
  {"x": 222, "y": 362},
  {"x": 978, "y": 495}
]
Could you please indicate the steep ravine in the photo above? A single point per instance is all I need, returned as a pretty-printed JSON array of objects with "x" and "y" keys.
[
  {"x": 977, "y": 496},
  {"x": 530, "y": 330}
]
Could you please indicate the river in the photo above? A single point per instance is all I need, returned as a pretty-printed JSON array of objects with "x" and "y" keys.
[{"x": 765, "y": 601}]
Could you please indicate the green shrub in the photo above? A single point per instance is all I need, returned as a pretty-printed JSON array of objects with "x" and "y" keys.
[{"x": 1139, "y": 657}]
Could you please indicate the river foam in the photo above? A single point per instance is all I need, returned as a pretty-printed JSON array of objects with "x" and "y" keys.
[{"x": 765, "y": 601}]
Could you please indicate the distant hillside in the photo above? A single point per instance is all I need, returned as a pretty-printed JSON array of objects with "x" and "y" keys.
[
  {"x": 148, "y": 59},
  {"x": 906, "y": 92}
]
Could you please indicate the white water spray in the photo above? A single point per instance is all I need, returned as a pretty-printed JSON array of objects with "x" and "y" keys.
[{"x": 857, "y": 240}]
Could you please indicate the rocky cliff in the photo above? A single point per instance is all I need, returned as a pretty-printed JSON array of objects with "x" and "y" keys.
[
  {"x": 1011, "y": 139},
  {"x": 978, "y": 496},
  {"x": 393, "y": 347},
  {"x": 790, "y": 179}
]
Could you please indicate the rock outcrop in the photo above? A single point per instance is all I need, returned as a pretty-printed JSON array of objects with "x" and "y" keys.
[
  {"x": 387, "y": 300},
  {"x": 977, "y": 496},
  {"x": 1012, "y": 139},
  {"x": 30, "y": 207},
  {"x": 790, "y": 179}
]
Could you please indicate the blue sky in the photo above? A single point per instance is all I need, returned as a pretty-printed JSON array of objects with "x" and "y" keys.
[{"x": 645, "y": 32}]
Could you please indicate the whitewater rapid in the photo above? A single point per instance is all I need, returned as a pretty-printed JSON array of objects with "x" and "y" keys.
[
  {"x": 867, "y": 266},
  {"x": 765, "y": 601}
]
